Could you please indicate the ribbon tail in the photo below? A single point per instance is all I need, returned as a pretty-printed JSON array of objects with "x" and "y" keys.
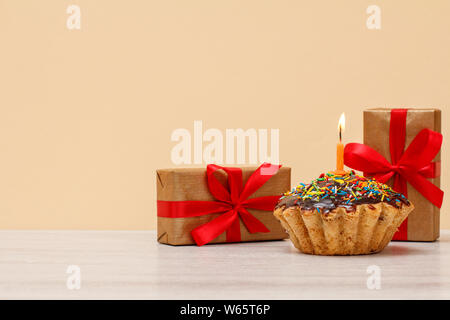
[
  {"x": 234, "y": 231},
  {"x": 426, "y": 188},
  {"x": 252, "y": 224},
  {"x": 211, "y": 230}
]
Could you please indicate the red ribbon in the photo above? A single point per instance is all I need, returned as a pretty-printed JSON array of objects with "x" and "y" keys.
[
  {"x": 414, "y": 165},
  {"x": 232, "y": 203}
]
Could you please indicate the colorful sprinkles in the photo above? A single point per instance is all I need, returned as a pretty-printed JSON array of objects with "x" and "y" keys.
[{"x": 331, "y": 190}]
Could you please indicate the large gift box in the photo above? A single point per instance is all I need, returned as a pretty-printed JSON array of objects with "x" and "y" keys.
[
  {"x": 402, "y": 148},
  {"x": 220, "y": 204}
]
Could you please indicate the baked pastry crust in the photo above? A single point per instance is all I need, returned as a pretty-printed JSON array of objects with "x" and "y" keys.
[{"x": 366, "y": 230}]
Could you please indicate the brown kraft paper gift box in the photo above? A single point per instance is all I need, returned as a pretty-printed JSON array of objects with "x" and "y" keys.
[
  {"x": 423, "y": 221},
  {"x": 190, "y": 184}
]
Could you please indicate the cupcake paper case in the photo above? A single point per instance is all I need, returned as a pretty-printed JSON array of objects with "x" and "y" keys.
[{"x": 342, "y": 215}]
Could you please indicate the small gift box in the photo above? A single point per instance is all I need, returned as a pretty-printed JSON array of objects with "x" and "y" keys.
[
  {"x": 402, "y": 149},
  {"x": 220, "y": 204}
]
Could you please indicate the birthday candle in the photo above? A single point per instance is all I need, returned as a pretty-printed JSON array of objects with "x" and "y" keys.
[{"x": 340, "y": 146}]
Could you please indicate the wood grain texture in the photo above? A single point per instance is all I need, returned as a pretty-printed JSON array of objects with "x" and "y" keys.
[{"x": 132, "y": 265}]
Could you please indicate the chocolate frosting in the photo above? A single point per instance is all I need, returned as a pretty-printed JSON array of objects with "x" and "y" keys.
[{"x": 330, "y": 191}]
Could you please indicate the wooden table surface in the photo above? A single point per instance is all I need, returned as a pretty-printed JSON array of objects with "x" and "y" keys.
[{"x": 132, "y": 265}]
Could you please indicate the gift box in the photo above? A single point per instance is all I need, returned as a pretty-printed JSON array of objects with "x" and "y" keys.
[
  {"x": 402, "y": 149},
  {"x": 219, "y": 204}
]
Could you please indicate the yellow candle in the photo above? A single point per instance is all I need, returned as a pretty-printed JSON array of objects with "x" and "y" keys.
[{"x": 340, "y": 147}]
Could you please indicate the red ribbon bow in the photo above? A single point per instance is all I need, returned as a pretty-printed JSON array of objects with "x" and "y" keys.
[
  {"x": 232, "y": 203},
  {"x": 414, "y": 165}
]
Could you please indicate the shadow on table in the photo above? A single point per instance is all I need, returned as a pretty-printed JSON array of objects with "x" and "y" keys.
[
  {"x": 393, "y": 249},
  {"x": 397, "y": 249}
]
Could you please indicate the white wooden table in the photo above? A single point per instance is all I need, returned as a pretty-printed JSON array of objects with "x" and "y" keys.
[{"x": 132, "y": 265}]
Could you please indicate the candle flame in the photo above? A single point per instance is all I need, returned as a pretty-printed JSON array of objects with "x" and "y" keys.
[{"x": 341, "y": 125}]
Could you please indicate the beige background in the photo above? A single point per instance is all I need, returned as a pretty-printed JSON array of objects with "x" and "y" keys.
[{"x": 86, "y": 115}]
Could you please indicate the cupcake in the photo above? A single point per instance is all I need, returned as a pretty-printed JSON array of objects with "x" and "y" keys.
[{"x": 342, "y": 215}]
